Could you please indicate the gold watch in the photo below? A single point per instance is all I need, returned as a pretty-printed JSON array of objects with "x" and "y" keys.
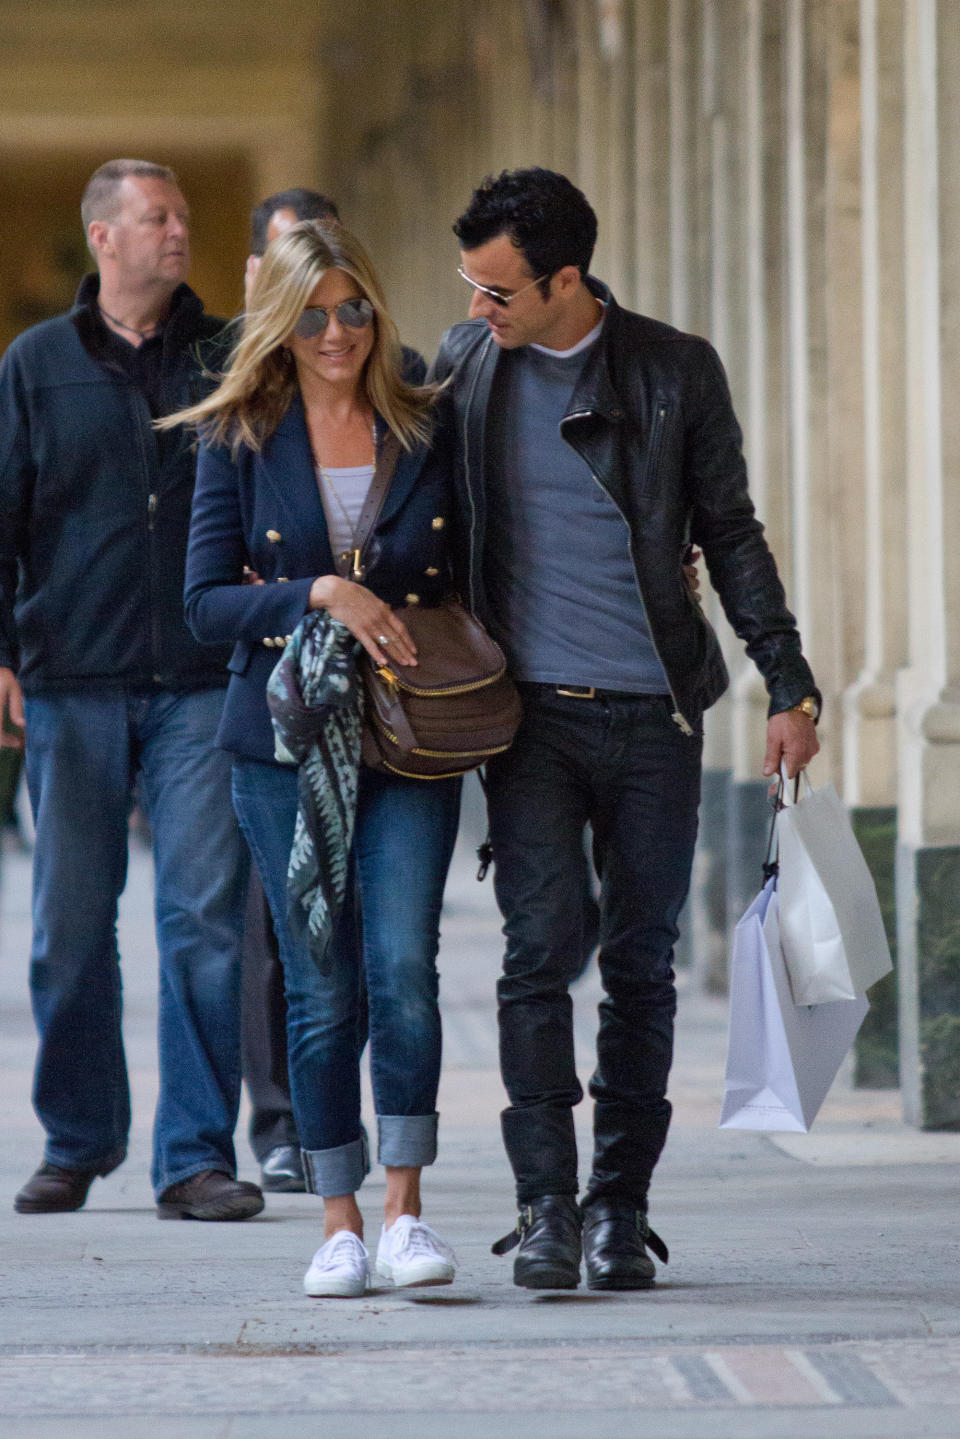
[{"x": 809, "y": 707}]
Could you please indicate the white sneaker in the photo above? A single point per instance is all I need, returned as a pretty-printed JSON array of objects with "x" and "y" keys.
[
  {"x": 411, "y": 1253},
  {"x": 341, "y": 1267}
]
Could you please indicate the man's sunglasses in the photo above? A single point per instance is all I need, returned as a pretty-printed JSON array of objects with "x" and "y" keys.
[
  {"x": 497, "y": 296},
  {"x": 355, "y": 314}
]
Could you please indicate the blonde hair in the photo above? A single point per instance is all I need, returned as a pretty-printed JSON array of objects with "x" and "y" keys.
[{"x": 260, "y": 378}]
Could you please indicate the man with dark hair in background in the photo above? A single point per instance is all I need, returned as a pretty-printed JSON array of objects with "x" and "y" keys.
[
  {"x": 596, "y": 446},
  {"x": 96, "y": 659},
  {"x": 275, "y": 215},
  {"x": 273, "y": 1132}
]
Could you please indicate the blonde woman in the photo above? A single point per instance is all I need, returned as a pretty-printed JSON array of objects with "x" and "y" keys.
[{"x": 290, "y": 438}]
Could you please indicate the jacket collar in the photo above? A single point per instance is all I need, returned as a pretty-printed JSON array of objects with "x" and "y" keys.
[
  {"x": 289, "y": 468},
  {"x": 595, "y": 394},
  {"x": 286, "y": 461},
  {"x": 182, "y": 326}
]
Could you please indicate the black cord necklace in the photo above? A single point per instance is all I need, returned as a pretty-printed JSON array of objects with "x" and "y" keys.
[{"x": 146, "y": 334}]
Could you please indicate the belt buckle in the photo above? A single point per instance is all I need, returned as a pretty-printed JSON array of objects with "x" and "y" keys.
[{"x": 581, "y": 692}]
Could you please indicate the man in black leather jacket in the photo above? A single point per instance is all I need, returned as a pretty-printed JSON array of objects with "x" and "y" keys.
[{"x": 596, "y": 446}]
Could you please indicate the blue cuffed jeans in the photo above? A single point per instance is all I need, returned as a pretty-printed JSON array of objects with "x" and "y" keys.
[
  {"x": 622, "y": 765},
  {"x": 85, "y": 752},
  {"x": 388, "y": 932}
]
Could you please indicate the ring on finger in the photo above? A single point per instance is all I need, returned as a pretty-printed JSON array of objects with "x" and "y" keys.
[{"x": 383, "y": 639}]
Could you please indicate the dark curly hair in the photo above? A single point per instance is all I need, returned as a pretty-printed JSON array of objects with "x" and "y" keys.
[{"x": 544, "y": 214}]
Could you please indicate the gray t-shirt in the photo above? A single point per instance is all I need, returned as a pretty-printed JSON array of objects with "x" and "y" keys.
[
  {"x": 559, "y": 574},
  {"x": 343, "y": 490}
]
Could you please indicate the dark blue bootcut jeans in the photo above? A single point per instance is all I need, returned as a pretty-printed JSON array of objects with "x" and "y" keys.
[
  {"x": 85, "y": 753},
  {"x": 622, "y": 764}
]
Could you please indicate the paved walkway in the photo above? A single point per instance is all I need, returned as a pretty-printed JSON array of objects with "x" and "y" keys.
[{"x": 814, "y": 1287}]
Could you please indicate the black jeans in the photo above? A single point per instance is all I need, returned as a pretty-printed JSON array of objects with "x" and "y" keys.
[{"x": 622, "y": 764}]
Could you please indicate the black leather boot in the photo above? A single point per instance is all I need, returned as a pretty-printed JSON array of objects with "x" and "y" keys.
[
  {"x": 615, "y": 1239},
  {"x": 548, "y": 1232}
]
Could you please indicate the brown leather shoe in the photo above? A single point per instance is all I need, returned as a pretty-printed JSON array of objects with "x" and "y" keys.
[
  {"x": 211, "y": 1194},
  {"x": 55, "y": 1190}
]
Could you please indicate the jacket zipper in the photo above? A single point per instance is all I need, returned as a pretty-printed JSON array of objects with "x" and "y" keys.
[
  {"x": 657, "y": 442},
  {"x": 466, "y": 467},
  {"x": 678, "y": 718},
  {"x": 145, "y": 436}
]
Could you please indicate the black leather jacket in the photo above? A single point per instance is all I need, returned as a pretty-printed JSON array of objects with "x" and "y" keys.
[{"x": 652, "y": 417}]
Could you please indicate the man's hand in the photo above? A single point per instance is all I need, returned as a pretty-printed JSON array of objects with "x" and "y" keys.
[
  {"x": 11, "y": 709},
  {"x": 691, "y": 574},
  {"x": 791, "y": 737}
]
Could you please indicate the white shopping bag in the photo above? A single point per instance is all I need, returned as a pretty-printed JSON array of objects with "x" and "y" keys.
[
  {"x": 831, "y": 928},
  {"x": 781, "y": 1057}
]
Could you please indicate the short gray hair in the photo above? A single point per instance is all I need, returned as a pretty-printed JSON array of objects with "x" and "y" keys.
[{"x": 101, "y": 198}]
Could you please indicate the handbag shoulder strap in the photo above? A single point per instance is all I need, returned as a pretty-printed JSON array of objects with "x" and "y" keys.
[{"x": 388, "y": 453}]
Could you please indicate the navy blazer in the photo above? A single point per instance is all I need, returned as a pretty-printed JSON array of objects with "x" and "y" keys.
[{"x": 264, "y": 509}]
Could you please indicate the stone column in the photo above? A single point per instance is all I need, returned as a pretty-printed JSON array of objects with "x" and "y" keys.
[
  {"x": 869, "y": 710},
  {"x": 730, "y": 92},
  {"x": 651, "y": 163},
  {"x": 679, "y": 51},
  {"x": 928, "y": 690},
  {"x": 764, "y": 414},
  {"x": 810, "y": 520},
  {"x": 604, "y": 141},
  {"x": 616, "y": 49},
  {"x": 691, "y": 69}
]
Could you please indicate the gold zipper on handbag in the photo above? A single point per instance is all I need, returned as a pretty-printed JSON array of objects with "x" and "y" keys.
[
  {"x": 437, "y": 753},
  {"x": 409, "y": 774},
  {"x": 394, "y": 682}
]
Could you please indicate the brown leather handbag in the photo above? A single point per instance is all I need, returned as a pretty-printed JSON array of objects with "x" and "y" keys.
[
  {"x": 450, "y": 712},
  {"x": 456, "y": 707}
]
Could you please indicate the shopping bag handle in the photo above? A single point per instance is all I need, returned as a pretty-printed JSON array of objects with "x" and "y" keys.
[
  {"x": 788, "y": 790},
  {"x": 782, "y": 800},
  {"x": 771, "y": 861}
]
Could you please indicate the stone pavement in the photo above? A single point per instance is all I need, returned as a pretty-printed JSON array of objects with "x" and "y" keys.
[{"x": 814, "y": 1287}]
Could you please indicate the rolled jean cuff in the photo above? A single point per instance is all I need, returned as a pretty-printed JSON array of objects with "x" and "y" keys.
[
  {"x": 336, "y": 1171},
  {"x": 407, "y": 1140}
]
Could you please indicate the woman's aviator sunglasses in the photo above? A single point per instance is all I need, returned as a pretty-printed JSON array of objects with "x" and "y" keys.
[{"x": 355, "y": 314}]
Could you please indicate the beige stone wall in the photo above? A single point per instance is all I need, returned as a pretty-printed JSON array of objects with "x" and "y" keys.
[
  {"x": 747, "y": 162},
  {"x": 781, "y": 175},
  {"x": 229, "y": 95}
]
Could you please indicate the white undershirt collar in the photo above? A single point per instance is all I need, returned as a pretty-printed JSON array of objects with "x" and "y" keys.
[{"x": 588, "y": 339}]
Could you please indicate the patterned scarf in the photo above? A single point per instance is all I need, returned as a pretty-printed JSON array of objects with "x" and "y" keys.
[{"x": 315, "y": 701}]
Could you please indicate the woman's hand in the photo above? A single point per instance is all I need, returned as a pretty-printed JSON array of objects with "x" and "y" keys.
[{"x": 368, "y": 619}]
